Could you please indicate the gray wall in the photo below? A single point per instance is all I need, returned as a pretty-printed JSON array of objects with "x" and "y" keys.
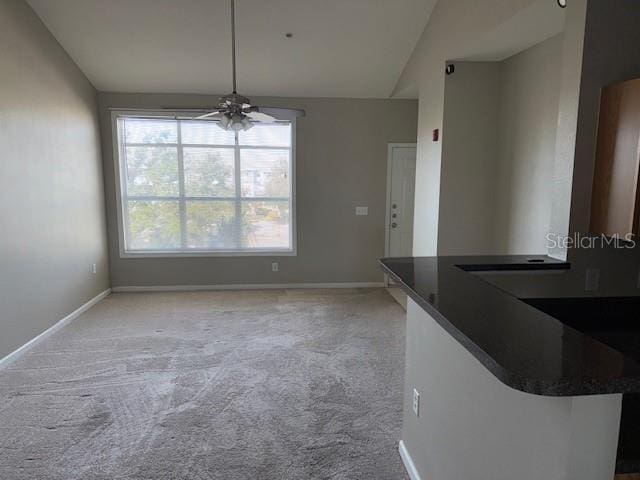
[
  {"x": 51, "y": 189},
  {"x": 527, "y": 140},
  {"x": 469, "y": 145},
  {"x": 341, "y": 164},
  {"x": 611, "y": 41},
  {"x": 499, "y": 136},
  {"x": 454, "y": 27},
  {"x": 570, "y": 84}
]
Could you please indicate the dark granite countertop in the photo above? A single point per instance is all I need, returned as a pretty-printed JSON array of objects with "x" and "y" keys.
[{"x": 524, "y": 347}]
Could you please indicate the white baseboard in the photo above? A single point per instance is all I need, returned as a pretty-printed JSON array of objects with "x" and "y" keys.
[
  {"x": 13, "y": 356},
  {"x": 408, "y": 462},
  {"x": 254, "y": 286}
]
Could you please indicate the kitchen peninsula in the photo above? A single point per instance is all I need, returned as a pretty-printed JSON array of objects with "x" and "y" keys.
[{"x": 519, "y": 366}]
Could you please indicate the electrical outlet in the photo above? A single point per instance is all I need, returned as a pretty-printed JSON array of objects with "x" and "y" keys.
[
  {"x": 275, "y": 267},
  {"x": 416, "y": 402},
  {"x": 94, "y": 268},
  {"x": 362, "y": 211}
]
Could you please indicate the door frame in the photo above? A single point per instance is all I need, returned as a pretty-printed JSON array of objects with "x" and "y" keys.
[{"x": 387, "y": 220}]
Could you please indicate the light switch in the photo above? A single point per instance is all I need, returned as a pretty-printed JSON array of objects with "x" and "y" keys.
[{"x": 362, "y": 211}]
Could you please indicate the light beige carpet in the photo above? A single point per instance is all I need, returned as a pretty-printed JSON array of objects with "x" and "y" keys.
[{"x": 296, "y": 384}]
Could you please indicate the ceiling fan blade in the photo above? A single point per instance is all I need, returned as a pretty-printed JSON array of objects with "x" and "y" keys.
[
  {"x": 189, "y": 109},
  {"x": 207, "y": 115},
  {"x": 260, "y": 116},
  {"x": 280, "y": 113}
]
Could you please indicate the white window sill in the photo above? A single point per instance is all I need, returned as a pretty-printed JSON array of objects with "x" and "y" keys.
[{"x": 256, "y": 253}]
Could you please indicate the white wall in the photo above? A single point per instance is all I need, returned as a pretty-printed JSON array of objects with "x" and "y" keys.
[
  {"x": 472, "y": 426},
  {"x": 470, "y": 146},
  {"x": 454, "y": 26},
  {"x": 51, "y": 188},
  {"x": 499, "y": 136},
  {"x": 464, "y": 29},
  {"x": 527, "y": 140},
  {"x": 599, "y": 47},
  {"x": 565, "y": 154}
]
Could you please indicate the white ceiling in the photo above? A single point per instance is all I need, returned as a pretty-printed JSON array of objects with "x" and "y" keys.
[
  {"x": 340, "y": 48},
  {"x": 539, "y": 21}
]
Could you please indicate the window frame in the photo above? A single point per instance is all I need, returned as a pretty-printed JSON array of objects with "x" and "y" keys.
[{"x": 118, "y": 157}]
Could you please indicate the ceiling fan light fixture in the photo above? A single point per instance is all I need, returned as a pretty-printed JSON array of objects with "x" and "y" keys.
[
  {"x": 236, "y": 122},
  {"x": 246, "y": 124},
  {"x": 224, "y": 122}
]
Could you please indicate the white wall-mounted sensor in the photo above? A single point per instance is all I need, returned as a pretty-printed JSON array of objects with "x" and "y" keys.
[{"x": 562, "y": 3}]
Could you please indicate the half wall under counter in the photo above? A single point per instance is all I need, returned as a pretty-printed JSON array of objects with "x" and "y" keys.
[{"x": 505, "y": 390}]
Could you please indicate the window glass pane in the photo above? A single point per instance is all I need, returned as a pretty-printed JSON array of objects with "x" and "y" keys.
[
  {"x": 265, "y": 173},
  {"x": 152, "y": 171},
  {"x": 267, "y": 135},
  {"x": 153, "y": 166},
  {"x": 140, "y": 130},
  {"x": 211, "y": 224},
  {"x": 265, "y": 224},
  {"x": 205, "y": 133},
  {"x": 209, "y": 172},
  {"x": 153, "y": 225}
]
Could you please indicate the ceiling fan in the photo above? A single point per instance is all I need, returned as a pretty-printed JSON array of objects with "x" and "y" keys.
[{"x": 234, "y": 111}]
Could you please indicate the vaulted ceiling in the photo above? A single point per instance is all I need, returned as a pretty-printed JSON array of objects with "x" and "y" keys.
[{"x": 338, "y": 48}]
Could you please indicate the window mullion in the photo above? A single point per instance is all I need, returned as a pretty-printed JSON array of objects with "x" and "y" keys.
[
  {"x": 124, "y": 172},
  {"x": 238, "y": 185},
  {"x": 182, "y": 203}
]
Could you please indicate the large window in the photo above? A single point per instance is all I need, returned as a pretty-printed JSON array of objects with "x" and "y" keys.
[{"x": 190, "y": 187}]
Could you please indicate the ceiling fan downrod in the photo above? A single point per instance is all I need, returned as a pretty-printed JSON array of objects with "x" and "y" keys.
[{"x": 233, "y": 44}]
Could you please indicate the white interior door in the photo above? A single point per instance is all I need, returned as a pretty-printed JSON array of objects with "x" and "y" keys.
[{"x": 400, "y": 200}]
